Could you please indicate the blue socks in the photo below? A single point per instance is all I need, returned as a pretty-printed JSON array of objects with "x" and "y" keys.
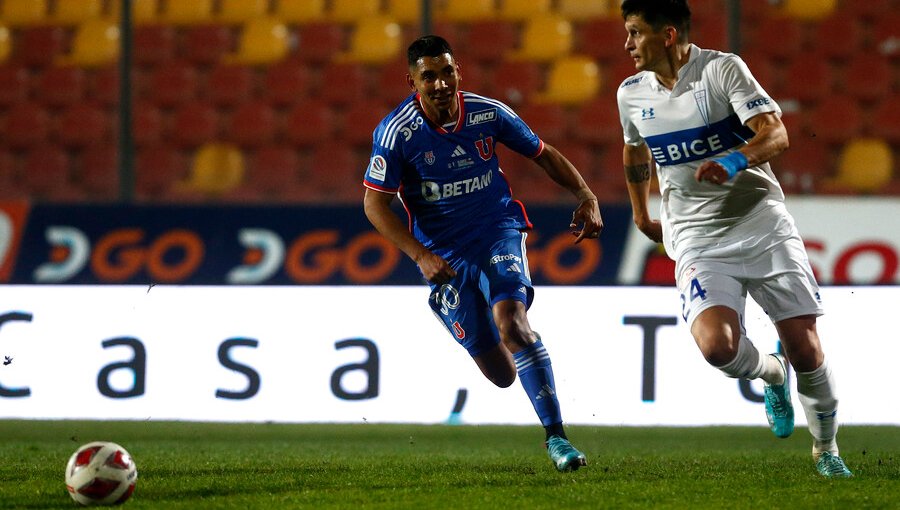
[{"x": 536, "y": 375}]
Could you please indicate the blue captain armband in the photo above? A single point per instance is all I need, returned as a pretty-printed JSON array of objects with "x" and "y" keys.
[{"x": 733, "y": 163}]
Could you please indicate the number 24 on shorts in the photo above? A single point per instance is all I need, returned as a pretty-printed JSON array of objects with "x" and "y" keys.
[{"x": 696, "y": 292}]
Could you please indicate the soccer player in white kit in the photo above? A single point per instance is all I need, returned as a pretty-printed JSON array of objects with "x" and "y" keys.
[{"x": 710, "y": 129}]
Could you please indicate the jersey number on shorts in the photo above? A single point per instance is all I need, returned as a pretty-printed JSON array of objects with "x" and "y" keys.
[{"x": 696, "y": 292}]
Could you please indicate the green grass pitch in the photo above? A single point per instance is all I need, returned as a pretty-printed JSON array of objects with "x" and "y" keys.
[{"x": 268, "y": 466}]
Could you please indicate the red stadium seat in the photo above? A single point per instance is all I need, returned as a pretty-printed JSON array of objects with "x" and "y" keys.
[
  {"x": 353, "y": 79},
  {"x": 489, "y": 41},
  {"x": 154, "y": 45},
  {"x": 807, "y": 80},
  {"x": 229, "y": 85},
  {"x": 336, "y": 173},
  {"x": 61, "y": 86},
  {"x": 15, "y": 82},
  {"x": 27, "y": 125},
  {"x": 391, "y": 86},
  {"x": 603, "y": 39},
  {"x": 103, "y": 85},
  {"x": 207, "y": 44},
  {"x": 194, "y": 124},
  {"x": 548, "y": 121},
  {"x": 45, "y": 170},
  {"x": 320, "y": 42},
  {"x": 147, "y": 124},
  {"x": 276, "y": 176},
  {"x": 886, "y": 120},
  {"x": 835, "y": 119},
  {"x": 869, "y": 78},
  {"x": 360, "y": 120},
  {"x": 84, "y": 125},
  {"x": 39, "y": 46},
  {"x": 172, "y": 84},
  {"x": 886, "y": 34},
  {"x": 597, "y": 122},
  {"x": 869, "y": 10},
  {"x": 529, "y": 78},
  {"x": 286, "y": 82},
  {"x": 851, "y": 35},
  {"x": 99, "y": 174},
  {"x": 709, "y": 31},
  {"x": 788, "y": 43},
  {"x": 252, "y": 124},
  {"x": 309, "y": 123},
  {"x": 804, "y": 166},
  {"x": 157, "y": 169},
  {"x": 764, "y": 71}
]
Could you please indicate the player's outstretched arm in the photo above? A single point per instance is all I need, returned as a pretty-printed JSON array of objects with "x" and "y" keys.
[
  {"x": 637, "y": 161},
  {"x": 564, "y": 173},
  {"x": 377, "y": 206},
  {"x": 770, "y": 139}
]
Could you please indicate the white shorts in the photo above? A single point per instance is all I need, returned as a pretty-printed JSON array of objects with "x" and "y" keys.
[{"x": 780, "y": 280}]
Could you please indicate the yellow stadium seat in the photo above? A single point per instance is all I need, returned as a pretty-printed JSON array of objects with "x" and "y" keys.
[
  {"x": 351, "y": 11},
  {"x": 75, "y": 12},
  {"x": 583, "y": 10},
  {"x": 520, "y": 10},
  {"x": 573, "y": 80},
  {"x": 466, "y": 11},
  {"x": 300, "y": 12},
  {"x": 5, "y": 44},
  {"x": 262, "y": 41},
  {"x": 865, "y": 165},
  {"x": 191, "y": 12},
  {"x": 405, "y": 11},
  {"x": 807, "y": 9},
  {"x": 96, "y": 44},
  {"x": 233, "y": 12},
  {"x": 544, "y": 38},
  {"x": 217, "y": 168},
  {"x": 143, "y": 12},
  {"x": 374, "y": 41},
  {"x": 17, "y": 13}
]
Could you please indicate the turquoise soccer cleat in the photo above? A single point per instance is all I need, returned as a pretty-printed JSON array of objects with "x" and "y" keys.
[
  {"x": 779, "y": 410},
  {"x": 832, "y": 466},
  {"x": 564, "y": 456}
]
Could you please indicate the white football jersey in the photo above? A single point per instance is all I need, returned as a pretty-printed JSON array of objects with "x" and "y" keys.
[{"x": 703, "y": 117}]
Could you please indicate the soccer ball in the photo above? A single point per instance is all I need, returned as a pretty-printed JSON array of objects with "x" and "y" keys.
[{"x": 100, "y": 473}]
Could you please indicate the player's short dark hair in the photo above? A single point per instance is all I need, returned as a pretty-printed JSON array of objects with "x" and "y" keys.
[
  {"x": 659, "y": 13},
  {"x": 427, "y": 46}
]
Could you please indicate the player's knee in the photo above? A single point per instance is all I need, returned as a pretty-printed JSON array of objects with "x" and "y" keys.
[
  {"x": 503, "y": 380},
  {"x": 718, "y": 348}
]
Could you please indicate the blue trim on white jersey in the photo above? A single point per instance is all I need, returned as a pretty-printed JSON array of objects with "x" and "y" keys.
[{"x": 698, "y": 143}]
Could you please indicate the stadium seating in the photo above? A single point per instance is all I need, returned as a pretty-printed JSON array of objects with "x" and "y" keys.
[
  {"x": 39, "y": 46},
  {"x": 75, "y": 12},
  {"x": 95, "y": 44},
  {"x": 227, "y": 86},
  {"x": 352, "y": 11},
  {"x": 359, "y": 120},
  {"x": 869, "y": 78},
  {"x": 286, "y": 82},
  {"x": 850, "y": 31},
  {"x": 465, "y": 11},
  {"x": 807, "y": 9},
  {"x": 18, "y": 13},
  {"x": 215, "y": 169},
  {"x": 98, "y": 174},
  {"x": 153, "y": 45},
  {"x": 521, "y": 10},
  {"x": 543, "y": 39},
  {"x": 143, "y": 12},
  {"x": 835, "y": 119},
  {"x": 787, "y": 44},
  {"x": 262, "y": 41},
  {"x": 886, "y": 121},
  {"x": 548, "y": 121},
  {"x": 15, "y": 83},
  {"x": 27, "y": 125},
  {"x": 318, "y": 43},
  {"x": 572, "y": 80},
  {"x": 45, "y": 172},
  {"x": 172, "y": 84},
  {"x": 490, "y": 41},
  {"x": 806, "y": 80},
  {"x": 252, "y": 124},
  {"x": 206, "y": 44},
  {"x": 603, "y": 39},
  {"x": 309, "y": 123},
  {"x": 299, "y": 12},
  {"x": 352, "y": 78},
  {"x": 597, "y": 122},
  {"x": 802, "y": 167},
  {"x": 5, "y": 44},
  {"x": 157, "y": 169},
  {"x": 579, "y": 11},
  {"x": 235, "y": 12},
  {"x": 61, "y": 86},
  {"x": 865, "y": 165},
  {"x": 407, "y": 12},
  {"x": 374, "y": 40},
  {"x": 180, "y": 12},
  {"x": 103, "y": 85},
  {"x": 147, "y": 128},
  {"x": 524, "y": 82},
  {"x": 84, "y": 125},
  {"x": 195, "y": 123}
]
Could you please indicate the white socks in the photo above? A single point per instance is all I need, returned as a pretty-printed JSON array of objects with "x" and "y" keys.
[
  {"x": 817, "y": 395},
  {"x": 750, "y": 364}
]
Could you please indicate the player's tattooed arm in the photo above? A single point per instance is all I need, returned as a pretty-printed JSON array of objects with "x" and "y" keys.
[{"x": 638, "y": 173}]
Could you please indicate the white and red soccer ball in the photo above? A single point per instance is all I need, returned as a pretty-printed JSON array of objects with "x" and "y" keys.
[{"x": 100, "y": 473}]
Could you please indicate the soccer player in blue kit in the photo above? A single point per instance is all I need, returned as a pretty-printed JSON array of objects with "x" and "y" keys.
[
  {"x": 436, "y": 151},
  {"x": 710, "y": 129}
]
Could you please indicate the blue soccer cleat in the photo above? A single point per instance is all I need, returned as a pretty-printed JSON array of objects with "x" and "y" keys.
[
  {"x": 564, "y": 456},
  {"x": 832, "y": 466},
  {"x": 779, "y": 410}
]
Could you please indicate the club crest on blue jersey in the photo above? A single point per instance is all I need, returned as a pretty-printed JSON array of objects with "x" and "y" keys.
[
  {"x": 429, "y": 157},
  {"x": 485, "y": 147}
]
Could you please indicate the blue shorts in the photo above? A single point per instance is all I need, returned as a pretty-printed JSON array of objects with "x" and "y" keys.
[{"x": 495, "y": 273}]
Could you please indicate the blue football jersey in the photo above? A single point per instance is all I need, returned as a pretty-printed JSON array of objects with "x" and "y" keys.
[{"x": 449, "y": 178}]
